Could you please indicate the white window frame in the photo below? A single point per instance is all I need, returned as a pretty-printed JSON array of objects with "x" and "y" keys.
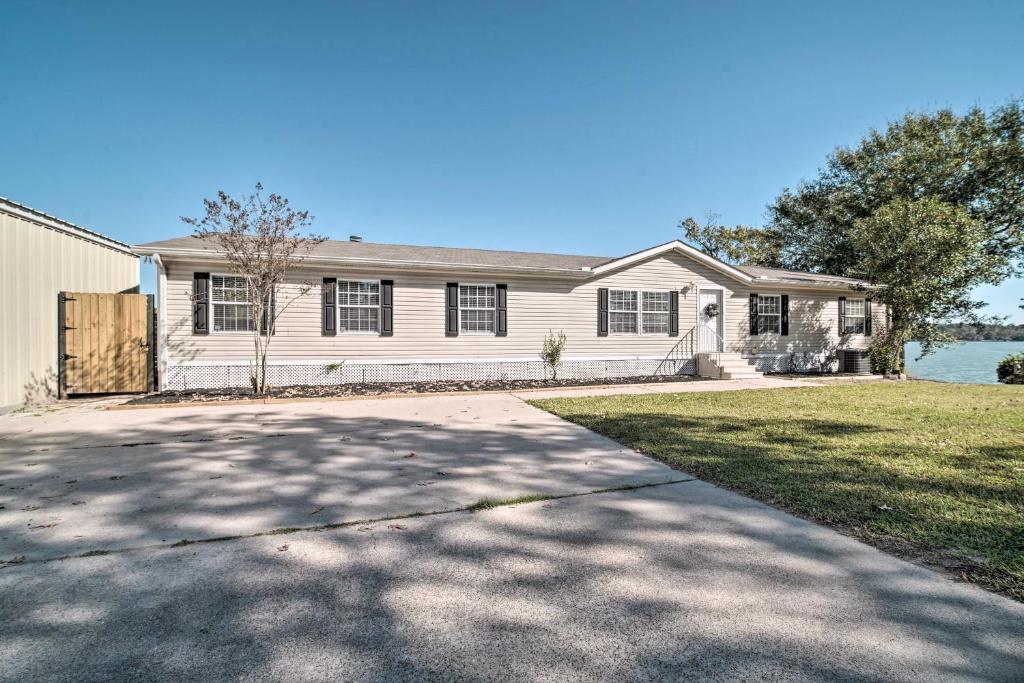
[
  {"x": 639, "y": 312},
  {"x": 338, "y": 306},
  {"x": 494, "y": 310},
  {"x": 862, "y": 317},
  {"x": 778, "y": 298},
  {"x": 667, "y": 312},
  {"x": 209, "y": 313}
]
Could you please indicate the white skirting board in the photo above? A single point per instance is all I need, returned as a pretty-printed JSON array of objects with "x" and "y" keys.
[
  {"x": 793, "y": 362},
  {"x": 209, "y": 375}
]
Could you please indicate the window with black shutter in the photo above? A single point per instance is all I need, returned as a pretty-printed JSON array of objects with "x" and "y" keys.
[
  {"x": 200, "y": 303},
  {"x": 451, "y": 310},
  {"x": 602, "y": 312},
  {"x": 501, "y": 310},
  {"x": 329, "y": 311},
  {"x": 673, "y": 314},
  {"x": 387, "y": 308}
]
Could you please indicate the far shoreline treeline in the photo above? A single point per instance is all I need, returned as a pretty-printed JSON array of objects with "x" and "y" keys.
[{"x": 991, "y": 332}]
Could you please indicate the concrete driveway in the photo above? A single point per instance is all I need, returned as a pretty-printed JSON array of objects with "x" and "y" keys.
[
  {"x": 87, "y": 480},
  {"x": 670, "y": 579}
]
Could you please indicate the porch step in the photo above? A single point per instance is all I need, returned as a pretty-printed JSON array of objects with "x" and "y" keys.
[
  {"x": 742, "y": 375},
  {"x": 731, "y": 365}
]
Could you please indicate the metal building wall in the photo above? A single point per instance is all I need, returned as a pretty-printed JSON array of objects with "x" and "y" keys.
[{"x": 39, "y": 257}]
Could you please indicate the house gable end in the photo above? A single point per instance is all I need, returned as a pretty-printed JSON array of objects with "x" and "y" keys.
[{"x": 673, "y": 247}]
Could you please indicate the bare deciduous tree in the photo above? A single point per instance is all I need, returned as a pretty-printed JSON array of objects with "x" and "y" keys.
[
  {"x": 262, "y": 239},
  {"x": 551, "y": 351}
]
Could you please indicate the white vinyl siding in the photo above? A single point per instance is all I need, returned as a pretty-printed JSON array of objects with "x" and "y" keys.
[
  {"x": 359, "y": 306},
  {"x": 230, "y": 308},
  {"x": 476, "y": 309},
  {"x": 854, "y": 316},
  {"x": 769, "y": 314},
  {"x": 536, "y": 305}
]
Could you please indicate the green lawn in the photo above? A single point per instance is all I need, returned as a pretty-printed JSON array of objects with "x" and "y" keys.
[{"x": 925, "y": 470}]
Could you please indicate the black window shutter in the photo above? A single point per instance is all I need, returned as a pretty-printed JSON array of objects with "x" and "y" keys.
[
  {"x": 842, "y": 316},
  {"x": 673, "y": 314},
  {"x": 268, "y": 312},
  {"x": 867, "y": 317},
  {"x": 753, "y": 313},
  {"x": 451, "y": 310},
  {"x": 200, "y": 303},
  {"x": 387, "y": 308},
  {"x": 602, "y": 312},
  {"x": 501, "y": 310},
  {"x": 785, "y": 315},
  {"x": 328, "y": 310}
]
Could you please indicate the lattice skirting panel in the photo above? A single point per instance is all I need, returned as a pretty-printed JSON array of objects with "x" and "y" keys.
[
  {"x": 206, "y": 376},
  {"x": 793, "y": 362}
]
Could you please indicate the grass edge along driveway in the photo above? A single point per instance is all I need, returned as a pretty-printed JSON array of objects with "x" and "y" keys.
[{"x": 928, "y": 471}]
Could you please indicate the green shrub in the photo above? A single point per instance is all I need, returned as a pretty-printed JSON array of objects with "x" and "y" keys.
[
  {"x": 885, "y": 352},
  {"x": 1005, "y": 369},
  {"x": 551, "y": 351}
]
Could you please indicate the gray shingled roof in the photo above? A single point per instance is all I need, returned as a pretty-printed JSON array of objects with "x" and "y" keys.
[
  {"x": 795, "y": 275},
  {"x": 408, "y": 253},
  {"x": 483, "y": 258}
]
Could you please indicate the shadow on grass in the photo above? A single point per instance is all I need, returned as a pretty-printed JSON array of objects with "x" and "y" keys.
[{"x": 955, "y": 511}]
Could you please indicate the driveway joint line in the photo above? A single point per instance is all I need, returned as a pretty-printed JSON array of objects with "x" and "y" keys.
[{"x": 471, "y": 508}]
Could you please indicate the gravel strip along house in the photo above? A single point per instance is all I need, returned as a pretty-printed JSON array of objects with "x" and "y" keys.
[{"x": 396, "y": 313}]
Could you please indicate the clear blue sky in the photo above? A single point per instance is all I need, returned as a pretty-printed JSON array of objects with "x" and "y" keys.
[{"x": 586, "y": 127}]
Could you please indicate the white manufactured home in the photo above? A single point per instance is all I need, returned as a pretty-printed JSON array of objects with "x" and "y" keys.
[
  {"x": 382, "y": 312},
  {"x": 41, "y": 256}
]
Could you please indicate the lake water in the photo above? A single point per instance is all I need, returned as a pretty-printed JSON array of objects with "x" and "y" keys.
[{"x": 966, "y": 362}]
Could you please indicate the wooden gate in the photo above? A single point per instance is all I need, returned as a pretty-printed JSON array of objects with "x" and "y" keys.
[{"x": 105, "y": 343}]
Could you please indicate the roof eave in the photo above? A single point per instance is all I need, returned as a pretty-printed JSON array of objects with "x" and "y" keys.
[
  {"x": 816, "y": 285},
  {"x": 205, "y": 254},
  {"x": 60, "y": 225}
]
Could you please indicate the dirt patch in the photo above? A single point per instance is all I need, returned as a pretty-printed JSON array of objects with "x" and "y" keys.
[{"x": 394, "y": 388}]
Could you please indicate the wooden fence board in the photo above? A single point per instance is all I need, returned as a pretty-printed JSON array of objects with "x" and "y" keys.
[{"x": 106, "y": 343}]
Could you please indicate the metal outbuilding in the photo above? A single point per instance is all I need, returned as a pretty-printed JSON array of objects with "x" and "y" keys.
[{"x": 41, "y": 256}]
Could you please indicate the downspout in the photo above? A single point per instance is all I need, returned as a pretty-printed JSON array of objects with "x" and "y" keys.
[{"x": 161, "y": 322}]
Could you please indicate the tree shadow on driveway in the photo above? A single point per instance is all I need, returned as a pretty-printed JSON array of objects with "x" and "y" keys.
[
  {"x": 226, "y": 472},
  {"x": 669, "y": 582}
]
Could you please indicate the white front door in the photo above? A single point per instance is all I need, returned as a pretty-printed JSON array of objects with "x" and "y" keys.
[{"x": 709, "y": 328}]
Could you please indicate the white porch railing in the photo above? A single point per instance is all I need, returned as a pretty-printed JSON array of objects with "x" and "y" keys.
[{"x": 710, "y": 342}]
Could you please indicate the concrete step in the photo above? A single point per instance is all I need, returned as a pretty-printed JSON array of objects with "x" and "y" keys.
[
  {"x": 742, "y": 375},
  {"x": 732, "y": 365}
]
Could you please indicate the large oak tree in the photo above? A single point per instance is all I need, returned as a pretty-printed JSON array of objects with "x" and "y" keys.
[{"x": 892, "y": 189}]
